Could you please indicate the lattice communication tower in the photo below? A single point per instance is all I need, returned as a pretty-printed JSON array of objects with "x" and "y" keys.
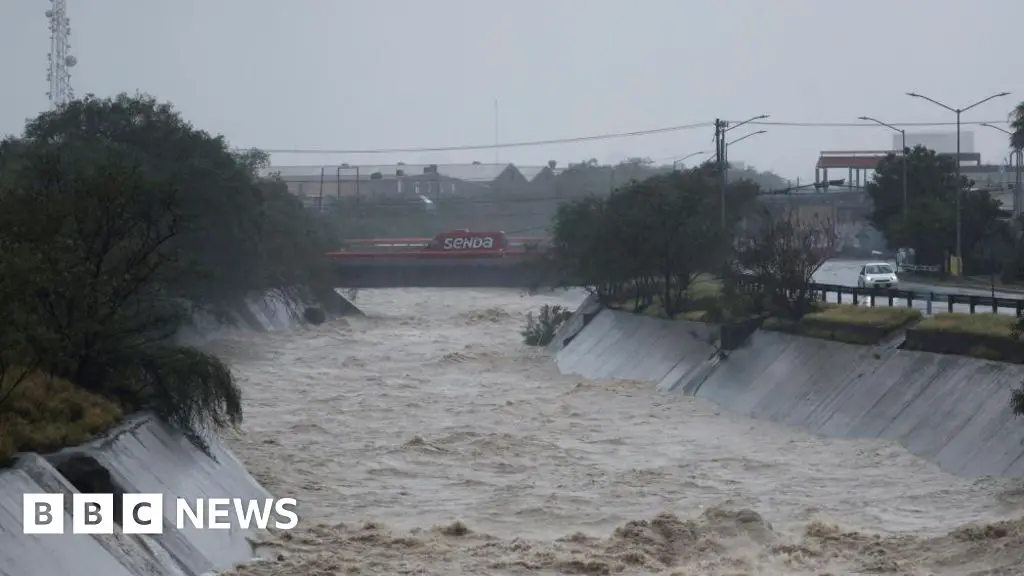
[{"x": 61, "y": 61}]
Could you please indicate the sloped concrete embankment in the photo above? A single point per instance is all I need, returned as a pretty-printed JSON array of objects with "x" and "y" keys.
[
  {"x": 272, "y": 311},
  {"x": 143, "y": 456},
  {"x": 951, "y": 410},
  {"x": 619, "y": 345}
]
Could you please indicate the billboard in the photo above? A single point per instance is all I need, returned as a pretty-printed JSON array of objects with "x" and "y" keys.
[{"x": 941, "y": 142}]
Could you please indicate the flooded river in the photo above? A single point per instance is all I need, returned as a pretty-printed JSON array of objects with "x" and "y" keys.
[{"x": 426, "y": 439}]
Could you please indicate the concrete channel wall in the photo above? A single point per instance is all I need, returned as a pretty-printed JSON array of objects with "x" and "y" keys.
[
  {"x": 951, "y": 410},
  {"x": 142, "y": 455}
]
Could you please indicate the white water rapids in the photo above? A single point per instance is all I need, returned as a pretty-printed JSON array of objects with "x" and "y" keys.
[{"x": 427, "y": 439}]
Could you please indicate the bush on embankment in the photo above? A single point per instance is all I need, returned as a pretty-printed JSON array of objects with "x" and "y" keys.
[
  {"x": 118, "y": 220},
  {"x": 540, "y": 329}
]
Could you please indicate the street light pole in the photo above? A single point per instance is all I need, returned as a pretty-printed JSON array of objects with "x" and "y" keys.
[
  {"x": 959, "y": 186},
  {"x": 725, "y": 171},
  {"x": 742, "y": 138},
  {"x": 721, "y": 127},
  {"x": 675, "y": 163},
  {"x": 903, "y": 134},
  {"x": 1016, "y": 157}
]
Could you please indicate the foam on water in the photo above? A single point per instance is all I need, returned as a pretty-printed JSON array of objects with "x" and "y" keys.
[{"x": 426, "y": 439}]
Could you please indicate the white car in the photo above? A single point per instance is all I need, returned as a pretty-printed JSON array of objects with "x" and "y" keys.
[{"x": 877, "y": 275}]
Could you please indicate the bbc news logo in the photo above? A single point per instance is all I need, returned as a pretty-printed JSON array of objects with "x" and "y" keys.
[{"x": 144, "y": 513}]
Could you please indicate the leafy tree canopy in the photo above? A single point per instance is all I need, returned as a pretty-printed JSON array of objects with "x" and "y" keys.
[
  {"x": 590, "y": 177},
  {"x": 650, "y": 237},
  {"x": 241, "y": 232},
  {"x": 1017, "y": 126},
  {"x": 115, "y": 216},
  {"x": 930, "y": 223}
]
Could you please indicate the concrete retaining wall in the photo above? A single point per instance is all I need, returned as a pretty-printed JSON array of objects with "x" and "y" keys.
[
  {"x": 952, "y": 410},
  {"x": 145, "y": 456},
  {"x": 571, "y": 327},
  {"x": 626, "y": 346},
  {"x": 272, "y": 311}
]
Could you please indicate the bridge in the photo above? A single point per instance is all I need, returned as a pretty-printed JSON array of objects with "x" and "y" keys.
[{"x": 457, "y": 259}]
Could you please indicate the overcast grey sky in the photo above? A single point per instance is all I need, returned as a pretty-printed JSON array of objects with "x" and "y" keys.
[{"x": 346, "y": 74}]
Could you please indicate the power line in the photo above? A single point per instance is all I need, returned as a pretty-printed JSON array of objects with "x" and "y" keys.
[
  {"x": 867, "y": 124},
  {"x": 521, "y": 144},
  {"x": 610, "y": 136}
]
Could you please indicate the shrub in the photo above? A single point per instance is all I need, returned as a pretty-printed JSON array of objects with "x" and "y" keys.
[
  {"x": 43, "y": 414},
  {"x": 1017, "y": 401},
  {"x": 540, "y": 330}
]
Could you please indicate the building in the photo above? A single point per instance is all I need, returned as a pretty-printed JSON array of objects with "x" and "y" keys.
[
  {"x": 394, "y": 180},
  {"x": 856, "y": 166},
  {"x": 542, "y": 178},
  {"x": 941, "y": 142}
]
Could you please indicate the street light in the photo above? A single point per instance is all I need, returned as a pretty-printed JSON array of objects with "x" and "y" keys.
[
  {"x": 725, "y": 169},
  {"x": 742, "y": 138},
  {"x": 1018, "y": 158},
  {"x": 747, "y": 121},
  {"x": 675, "y": 163},
  {"x": 958, "y": 112},
  {"x": 903, "y": 134},
  {"x": 722, "y": 149}
]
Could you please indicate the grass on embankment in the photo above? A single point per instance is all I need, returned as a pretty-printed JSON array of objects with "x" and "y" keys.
[
  {"x": 848, "y": 323},
  {"x": 44, "y": 414},
  {"x": 986, "y": 336}
]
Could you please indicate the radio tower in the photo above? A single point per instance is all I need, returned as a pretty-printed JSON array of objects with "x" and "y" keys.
[{"x": 61, "y": 62}]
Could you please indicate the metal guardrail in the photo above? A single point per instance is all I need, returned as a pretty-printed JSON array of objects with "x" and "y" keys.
[
  {"x": 917, "y": 268},
  {"x": 906, "y": 298}
]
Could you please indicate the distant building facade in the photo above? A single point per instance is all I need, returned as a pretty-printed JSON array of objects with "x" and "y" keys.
[{"x": 433, "y": 181}]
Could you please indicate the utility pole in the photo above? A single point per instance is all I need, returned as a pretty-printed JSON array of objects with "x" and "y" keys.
[
  {"x": 722, "y": 152},
  {"x": 720, "y": 160}
]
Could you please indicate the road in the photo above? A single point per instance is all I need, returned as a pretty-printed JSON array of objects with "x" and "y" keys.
[{"x": 844, "y": 273}]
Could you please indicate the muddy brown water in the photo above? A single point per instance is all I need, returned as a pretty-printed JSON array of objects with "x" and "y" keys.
[{"x": 426, "y": 439}]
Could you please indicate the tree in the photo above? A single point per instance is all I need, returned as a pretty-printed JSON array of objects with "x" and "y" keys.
[
  {"x": 782, "y": 254},
  {"x": 90, "y": 241},
  {"x": 930, "y": 222},
  {"x": 1017, "y": 125},
  {"x": 766, "y": 180},
  {"x": 117, "y": 218},
  {"x": 230, "y": 220},
  {"x": 647, "y": 240}
]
